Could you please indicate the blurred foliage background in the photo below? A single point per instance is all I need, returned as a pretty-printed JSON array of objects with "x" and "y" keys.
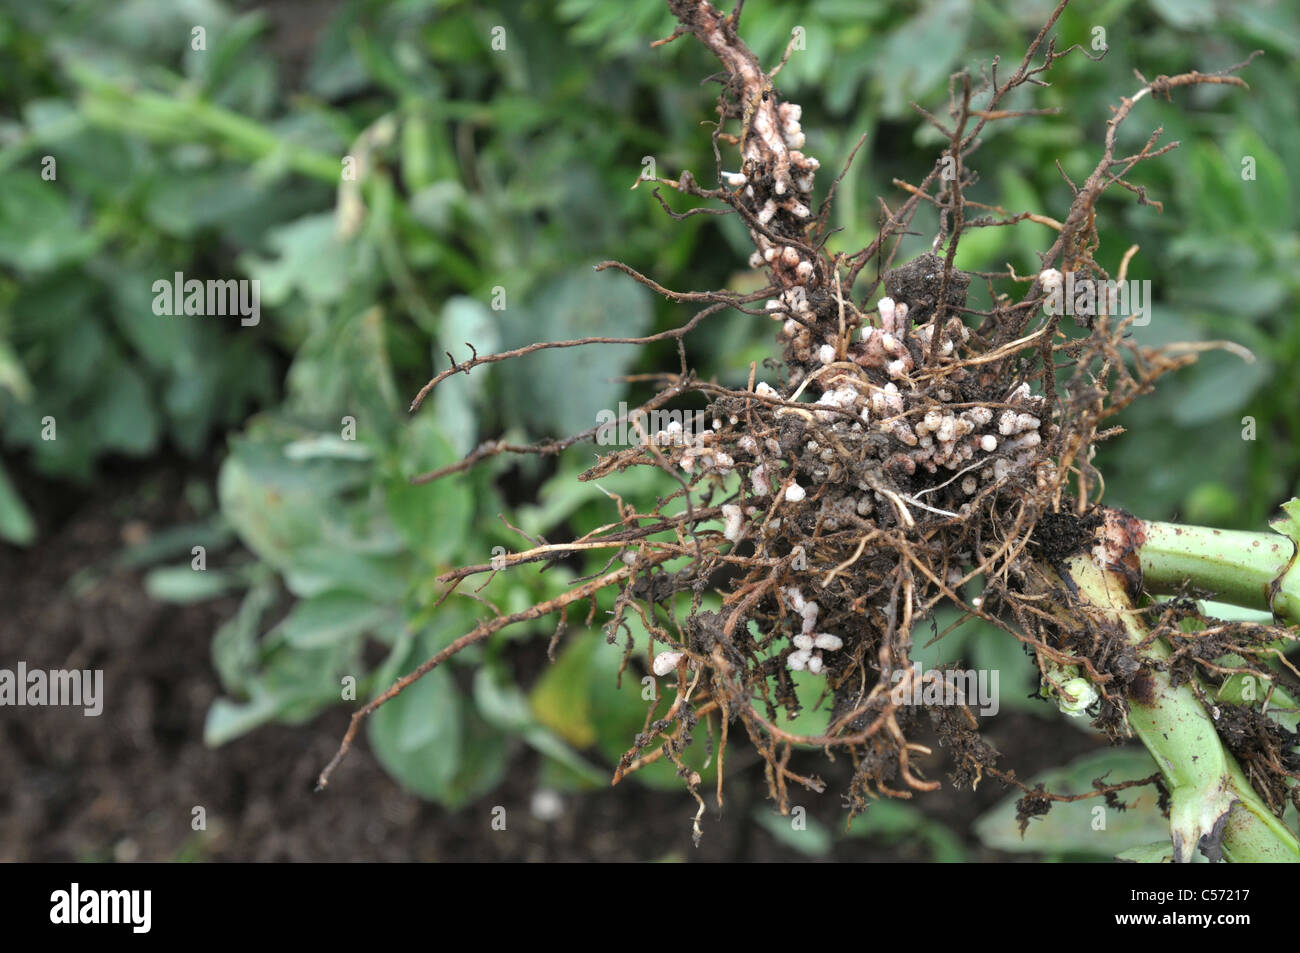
[{"x": 490, "y": 181}]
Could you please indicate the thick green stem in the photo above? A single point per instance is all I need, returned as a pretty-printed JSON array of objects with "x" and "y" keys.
[
  {"x": 1256, "y": 570},
  {"x": 1246, "y": 569},
  {"x": 1210, "y": 796}
]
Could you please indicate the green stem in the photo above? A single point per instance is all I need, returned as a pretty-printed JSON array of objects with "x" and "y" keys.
[
  {"x": 1208, "y": 790},
  {"x": 1210, "y": 798},
  {"x": 1239, "y": 567}
]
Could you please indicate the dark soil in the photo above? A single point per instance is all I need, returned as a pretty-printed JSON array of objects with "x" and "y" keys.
[{"x": 123, "y": 786}]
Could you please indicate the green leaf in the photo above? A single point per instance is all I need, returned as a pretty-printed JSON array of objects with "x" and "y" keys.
[
  {"x": 1185, "y": 14},
  {"x": 920, "y": 55},
  {"x": 505, "y": 707},
  {"x": 1268, "y": 194},
  {"x": 561, "y": 390},
  {"x": 458, "y": 399},
  {"x": 1157, "y": 852},
  {"x": 124, "y": 417},
  {"x": 182, "y": 204},
  {"x": 384, "y": 578},
  {"x": 433, "y": 519},
  {"x": 434, "y": 205},
  {"x": 485, "y": 755},
  {"x": 433, "y": 743},
  {"x": 993, "y": 650},
  {"x": 310, "y": 259},
  {"x": 1272, "y": 24},
  {"x": 38, "y": 229},
  {"x": 1019, "y": 195},
  {"x": 1074, "y": 828},
  {"x": 895, "y": 821},
  {"x": 562, "y": 698},
  {"x": 13, "y": 377},
  {"x": 812, "y": 838},
  {"x": 581, "y": 700},
  {"x": 327, "y": 446},
  {"x": 16, "y": 523},
  {"x": 1288, "y": 524},
  {"x": 234, "y": 647},
  {"x": 1212, "y": 503},
  {"x": 1287, "y": 584},
  {"x": 814, "y": 718},
  {"x": 1217, "y": 384},
  {"x": 183, "y": 584},
  {"x": 329, "y": 618},
  {"x": 227, "y": 720},
  {"x": 296, "y": 515},
  {"x": 291, "y": 685}
]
